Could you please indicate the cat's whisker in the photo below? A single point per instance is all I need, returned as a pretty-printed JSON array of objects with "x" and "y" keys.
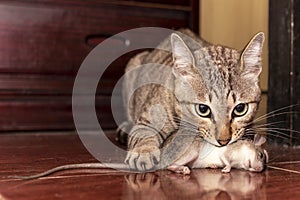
[
  {"x": 188, "y": 134},
  {"x": 189, "y": 129},
  {"x": 252, "y": 133},
  {"x": 274, "y": 111},
  {"x": 270, "y": 132},
  {"x": 284, "y": 135},
  {"x": 276, "y": 134},
  {"x": 267, "y": 124},
  {"x": 267, "y": 116},
  {"x": 181, "y": 121},
  {"x": 249, "y": 133},
  {"x": 188, "y": 126},
  {"x": 280, "y": 129},
  {"x": 183, "y": 117}
]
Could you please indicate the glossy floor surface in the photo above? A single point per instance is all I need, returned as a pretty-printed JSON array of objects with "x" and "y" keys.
[{"x": 26, "y": 154}]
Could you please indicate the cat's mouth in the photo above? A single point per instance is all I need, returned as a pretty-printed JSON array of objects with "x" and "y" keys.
[
  {"x": 224, "y": 142},
  {"x": 219, "y": 143},
  {"x": 215, "y": 143}
]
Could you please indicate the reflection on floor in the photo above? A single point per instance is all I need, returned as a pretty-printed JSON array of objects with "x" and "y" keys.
[{"x": 25, "y": 154}]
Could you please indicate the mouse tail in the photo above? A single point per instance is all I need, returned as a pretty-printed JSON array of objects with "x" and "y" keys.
[{"x": 61, "y": 168}]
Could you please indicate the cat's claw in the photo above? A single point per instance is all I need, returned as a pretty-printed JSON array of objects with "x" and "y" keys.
[{"x": 144, "y": 161}]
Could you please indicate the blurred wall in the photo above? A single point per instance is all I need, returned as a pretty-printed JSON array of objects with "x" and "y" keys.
[{"x": 233, "y": 23}]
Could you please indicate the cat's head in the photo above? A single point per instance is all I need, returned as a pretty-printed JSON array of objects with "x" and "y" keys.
[{"x": 218, "y": 87}]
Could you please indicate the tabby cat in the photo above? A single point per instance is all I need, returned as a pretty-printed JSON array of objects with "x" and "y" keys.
[{"x": 210, "y": 90}]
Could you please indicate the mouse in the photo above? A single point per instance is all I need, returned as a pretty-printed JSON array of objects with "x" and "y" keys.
[
  {"x": 242, "y": 154},
  {"x": 181, "y": 158}
]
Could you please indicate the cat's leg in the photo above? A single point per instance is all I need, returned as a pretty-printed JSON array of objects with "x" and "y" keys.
[
  {"x": 143, "y": 144},
  {"x": 130, "y": 76}
]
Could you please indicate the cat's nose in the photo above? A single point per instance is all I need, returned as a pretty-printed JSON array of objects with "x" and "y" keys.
[{"x": 223, "y": 142}]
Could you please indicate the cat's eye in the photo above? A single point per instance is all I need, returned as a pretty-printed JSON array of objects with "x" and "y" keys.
[
  {"x": 203, "y": 110},
  {"x": 240, "y": 110}
]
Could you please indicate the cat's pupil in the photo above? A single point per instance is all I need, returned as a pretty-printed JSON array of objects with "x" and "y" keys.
[
  {"x": 240, "y": 107},
  {"x": 203, "y": 108}
]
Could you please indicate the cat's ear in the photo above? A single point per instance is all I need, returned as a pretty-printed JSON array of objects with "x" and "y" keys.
[
  {"x": 182, "y": 57},
  {"x": 251, "y": 57}
]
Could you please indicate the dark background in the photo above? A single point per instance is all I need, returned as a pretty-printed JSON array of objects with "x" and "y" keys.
[{"x": 284, "y": 69}]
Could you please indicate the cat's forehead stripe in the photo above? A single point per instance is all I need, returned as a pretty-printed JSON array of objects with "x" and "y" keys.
[
  {"x": 223, "y": 56},
  {"x": 226, "y": 60}
]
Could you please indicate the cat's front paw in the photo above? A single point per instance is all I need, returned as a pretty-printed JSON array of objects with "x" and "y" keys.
[{"x": 143, "y": 158}]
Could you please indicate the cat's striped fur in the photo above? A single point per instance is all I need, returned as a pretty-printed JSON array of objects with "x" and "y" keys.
[{"x": 210, "y": 90}]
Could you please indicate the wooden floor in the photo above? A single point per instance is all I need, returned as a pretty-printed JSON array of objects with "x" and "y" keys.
[{"x": 25, "y": 154}]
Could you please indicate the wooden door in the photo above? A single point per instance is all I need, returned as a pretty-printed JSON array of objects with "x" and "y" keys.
[{"x": 43, "y": 43}]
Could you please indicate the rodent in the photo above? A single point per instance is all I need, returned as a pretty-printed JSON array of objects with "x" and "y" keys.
[
  {"x": 199, "y": 154},
  {"x": 227, "y": 157}
]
